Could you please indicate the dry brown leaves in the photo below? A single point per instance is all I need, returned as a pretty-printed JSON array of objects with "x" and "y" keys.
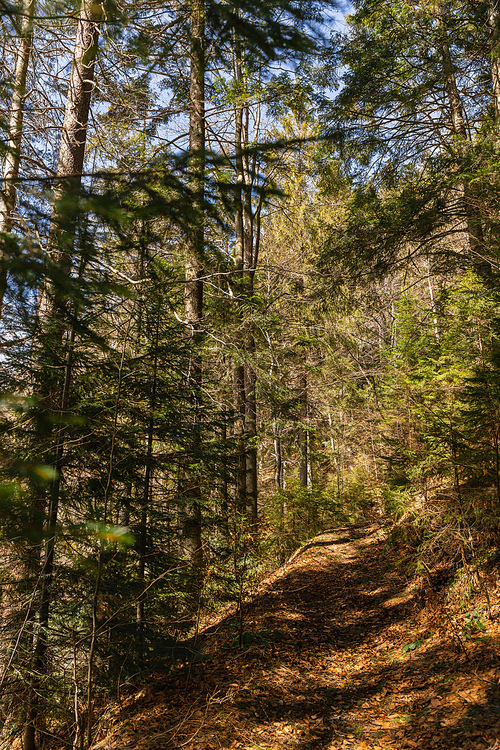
[{"x": 341, "y": 657}]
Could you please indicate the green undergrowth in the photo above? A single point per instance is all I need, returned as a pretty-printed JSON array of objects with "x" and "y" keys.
[{"x": 449, "y": 544}]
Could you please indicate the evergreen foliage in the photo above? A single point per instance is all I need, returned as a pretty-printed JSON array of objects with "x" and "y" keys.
[{"x": 254, "y": 309}]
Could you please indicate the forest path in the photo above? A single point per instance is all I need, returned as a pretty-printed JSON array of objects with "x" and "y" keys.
[{"x": 324, "y": 666}]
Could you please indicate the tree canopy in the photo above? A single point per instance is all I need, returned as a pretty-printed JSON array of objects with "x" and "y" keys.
[{"x": 249, "y": 290}]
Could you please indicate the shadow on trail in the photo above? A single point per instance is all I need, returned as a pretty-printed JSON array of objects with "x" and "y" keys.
[
  {"x": 353, "y": 602},
  {"x": 356, "y": 599},
  {"x": 322, "y": 671}
]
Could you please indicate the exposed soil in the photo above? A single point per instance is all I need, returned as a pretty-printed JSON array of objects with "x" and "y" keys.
[{"x": 340, "y": 650}]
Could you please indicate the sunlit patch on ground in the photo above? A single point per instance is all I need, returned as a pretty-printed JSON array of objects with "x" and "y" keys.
[{"x": 335, "y": 658}]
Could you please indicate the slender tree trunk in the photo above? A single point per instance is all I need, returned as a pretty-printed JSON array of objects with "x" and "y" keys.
[
  {"x": 108, "y": 493},
  {"x": 72, "y": 152},
  {"x": 497, "y": 463},
  {"x": 251, "y": 491},
  {"x": 454, "y": 458},
  {"x": 148, "y": 477},
  {"x": 459, "y": 129},
  {"x": 494, "y": 33},
  {"x": 250, "y": 250},
  {"x": 303, "y": 437},
  {"x": 93, "y": 644},
  {"x": 16, "y": 117},
  {"x": 454, "y": 101},
  {"x": 245, "y": 263},
  {"x": 433, "y": 303},
  {"x": 47, "y": 572},
  {"x": 279, "y": 473},
  {"x": 193, "y": 298},
  {"x": 54, "y": 394},
  {"x": 239, "y": 395},
  {"x": 239, "y": 434},
  {"x": 251, "y": 435},
  {"x": 224, "y": 489}
]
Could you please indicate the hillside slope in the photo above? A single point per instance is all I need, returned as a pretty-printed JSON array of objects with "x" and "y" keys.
[{"x": 340, "y": 650}]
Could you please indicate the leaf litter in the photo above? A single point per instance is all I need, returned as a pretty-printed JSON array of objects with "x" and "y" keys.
[{"x": 339, "y": 654}]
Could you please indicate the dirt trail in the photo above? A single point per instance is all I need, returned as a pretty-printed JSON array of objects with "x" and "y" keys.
[{"x": 333, "y": 657}]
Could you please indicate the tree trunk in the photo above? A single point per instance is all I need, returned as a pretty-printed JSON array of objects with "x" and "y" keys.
[
  {"x": 245, "y": 262},
  {"x": 190, "y": 487},
  {"x": 54, "y": 393},
  {"x": 459, "y": 129},
  {"x": 454, "y": 101},
  {"x": 47, "y": 572},
  {"x": 239, "y": 396},
  {"x": 16, "y": 117},
  {"x": 251, "y": 491},
  {"x": 72, "y": 151},
  {"x": 239, "y": 434},
  {"x": 146, "y": 492},
  {"x": 251, "y": 452},
  {"x": 303, "y": 436},
  {"x": 279, "y": 469},
  {"x": 494, "y": 34}
]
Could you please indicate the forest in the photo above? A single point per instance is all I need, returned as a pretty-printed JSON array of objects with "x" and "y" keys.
[{"x": 249, "y": 291}]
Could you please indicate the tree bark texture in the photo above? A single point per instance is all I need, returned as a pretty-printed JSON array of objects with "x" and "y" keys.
[
  {"x": 239, "y": 265},
  {"x": 60, "y": 246},
  {"x": 494, "y": 34},
  {"x": 470, "y": 209},
  {"x": 245, "y": 402},
  {"x": 190, "y": 487},
  {"x": 251, "y": 451},
  {"x": 303, "y": 436},
  {"x": 16, "y": 117},
  {"x": 54, "y": 392}
]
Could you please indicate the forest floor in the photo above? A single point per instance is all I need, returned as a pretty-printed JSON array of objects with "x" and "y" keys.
[{"x": 341, "y": 650}]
